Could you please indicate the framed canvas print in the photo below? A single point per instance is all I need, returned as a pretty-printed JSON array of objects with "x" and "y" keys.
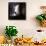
[{"x": 17, "y": 11}]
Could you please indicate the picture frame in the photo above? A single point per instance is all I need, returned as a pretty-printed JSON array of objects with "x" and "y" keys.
[{"x": 17, "y": 10}]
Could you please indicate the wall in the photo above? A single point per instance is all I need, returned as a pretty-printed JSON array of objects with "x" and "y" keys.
[{"x": 25, "y": 27}]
